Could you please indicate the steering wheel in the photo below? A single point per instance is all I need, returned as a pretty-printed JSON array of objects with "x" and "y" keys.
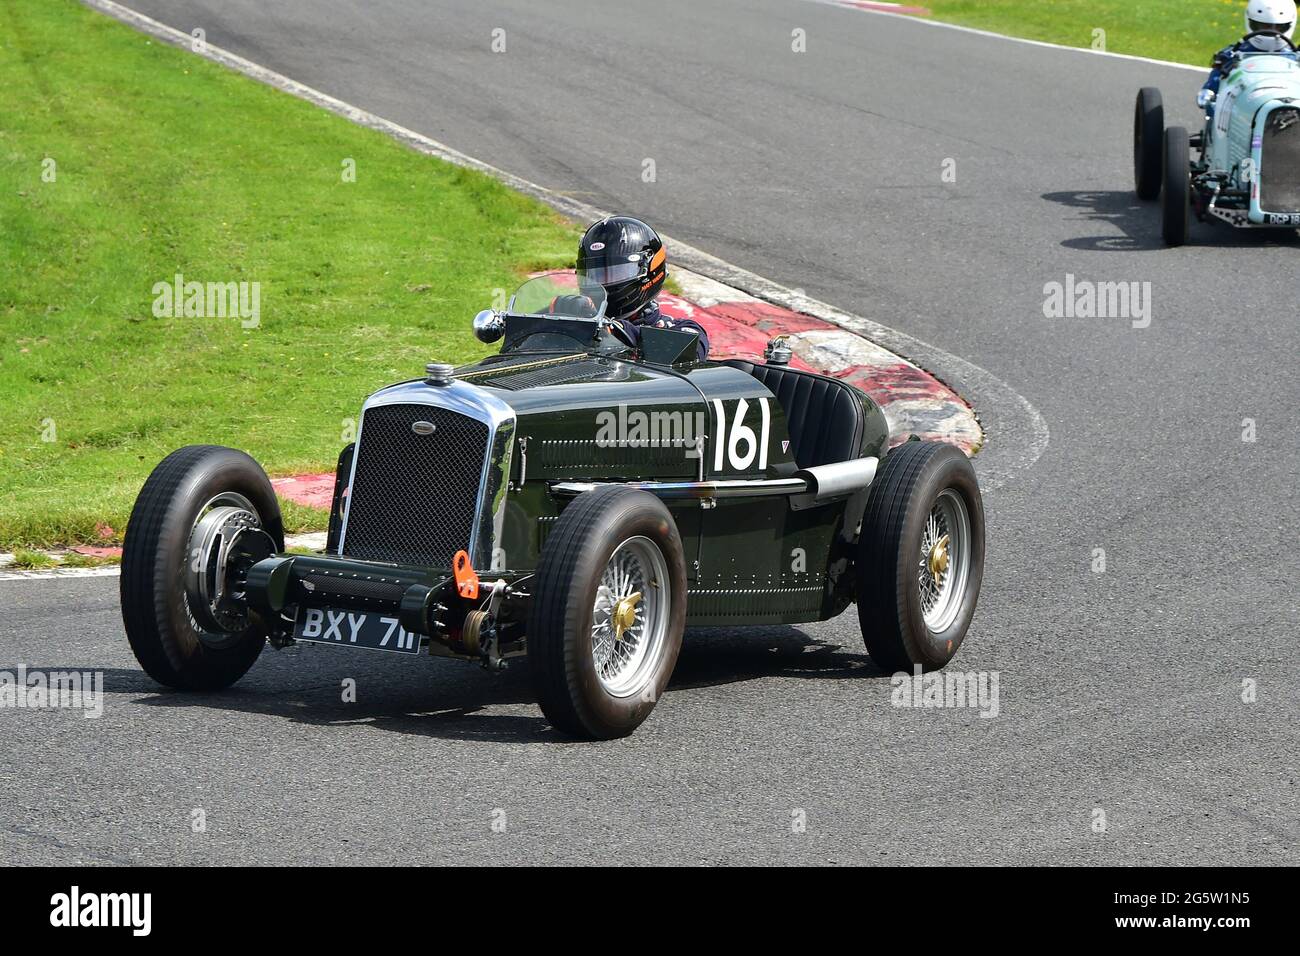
[
  {"x": 580, "y": 307},
  {"x": 1269, "y": 33},
  {"x": 616, "y": 329},
  {"x": 572, "y": 307}
]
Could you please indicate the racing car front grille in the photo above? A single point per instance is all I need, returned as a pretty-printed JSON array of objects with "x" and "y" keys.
[
  {"x": 414, "y": 497},
  {"x": 1279, "y": 168}
]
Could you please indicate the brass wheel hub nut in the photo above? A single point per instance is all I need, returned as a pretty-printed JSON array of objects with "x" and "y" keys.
[{"x": 938, "y": 560}]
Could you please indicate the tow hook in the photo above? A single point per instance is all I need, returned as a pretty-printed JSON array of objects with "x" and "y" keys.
[{"x": 479, "y": 633}]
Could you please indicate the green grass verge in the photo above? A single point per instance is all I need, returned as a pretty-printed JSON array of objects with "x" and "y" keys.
[
  {"x": 1186, "y": 31},
  {"x": 73, "y": 560},
  {"x": 164, "y": 163},
  {"x": 25, "y": 560},
  {"x": 299, "y": 519}
]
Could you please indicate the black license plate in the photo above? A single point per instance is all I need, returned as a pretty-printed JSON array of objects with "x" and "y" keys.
[{"x": 326, "y": 625}]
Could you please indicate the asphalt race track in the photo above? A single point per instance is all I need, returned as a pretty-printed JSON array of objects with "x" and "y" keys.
[{"x": 1120, "y": 691}]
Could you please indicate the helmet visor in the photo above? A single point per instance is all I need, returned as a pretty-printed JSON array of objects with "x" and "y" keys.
[
  {"x": 1258, "y": 25},
  {"x": 610, "y": 271}
]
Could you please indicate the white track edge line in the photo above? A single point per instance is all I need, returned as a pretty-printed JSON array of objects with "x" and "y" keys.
[
  {"x": 929, "y": 22},
  {"x": 113, "y": 570}
]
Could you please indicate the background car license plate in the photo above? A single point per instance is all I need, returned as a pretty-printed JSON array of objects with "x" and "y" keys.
[{"x": 325, "y": 625}]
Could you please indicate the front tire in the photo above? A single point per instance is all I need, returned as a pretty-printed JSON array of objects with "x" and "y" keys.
[
  {"x": 920, "y": 557},
  {"x": 1176, "y": 195},
  {"x": 1148, "y": 140},
  {"x": 608, "y": 613},
  {"x": 157, "y": 561}
]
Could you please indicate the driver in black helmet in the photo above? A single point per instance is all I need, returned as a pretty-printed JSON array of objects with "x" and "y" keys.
[{"x": 628, "y": 259}]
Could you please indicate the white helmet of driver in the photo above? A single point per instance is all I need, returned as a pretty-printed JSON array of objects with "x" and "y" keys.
[{"x": 1277, "y": 16}]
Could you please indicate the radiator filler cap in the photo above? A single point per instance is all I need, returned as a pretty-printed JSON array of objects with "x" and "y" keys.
[{"x": 438, "y": 373}]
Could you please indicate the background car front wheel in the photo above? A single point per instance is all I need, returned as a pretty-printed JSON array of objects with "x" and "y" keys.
[
  {"x": 1176, "y": 193},
  {"x": 920, "y": 557},
  {"x": 1148, "y": 142},
  {"x": 205, "y": 514},
  {"x": 609, "y": 609}
]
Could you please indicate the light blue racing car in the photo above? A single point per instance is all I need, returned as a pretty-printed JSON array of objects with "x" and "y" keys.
[{"x": 1248, "y": 170}]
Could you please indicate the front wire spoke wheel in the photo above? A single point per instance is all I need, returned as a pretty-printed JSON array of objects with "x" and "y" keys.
[
  {"x": 609, "y": 610},
  {"x": 630, "y": 618},
  {"x": 944, "y": 561},
  {"x": 602, "y": 641}
]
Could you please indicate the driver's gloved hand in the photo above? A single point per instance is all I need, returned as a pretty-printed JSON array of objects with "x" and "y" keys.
[{"x": 578, "y": 306}]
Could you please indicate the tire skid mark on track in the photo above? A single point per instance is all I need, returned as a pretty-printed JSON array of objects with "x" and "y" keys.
[{"x": 1017, "y": 434}]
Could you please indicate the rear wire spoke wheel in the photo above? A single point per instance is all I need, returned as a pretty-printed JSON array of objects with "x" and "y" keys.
[
  {"x": 943, "y": 563},
  {"x": 920, "y": 558},
  {"x": 608, "y": 612}
]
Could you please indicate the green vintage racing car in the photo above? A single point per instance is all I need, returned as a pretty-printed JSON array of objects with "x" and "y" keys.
[{"x": 575, "y": 499}]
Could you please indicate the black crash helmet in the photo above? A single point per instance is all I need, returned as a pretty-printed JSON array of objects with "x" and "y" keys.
[{"x": 628, "y": 259}]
